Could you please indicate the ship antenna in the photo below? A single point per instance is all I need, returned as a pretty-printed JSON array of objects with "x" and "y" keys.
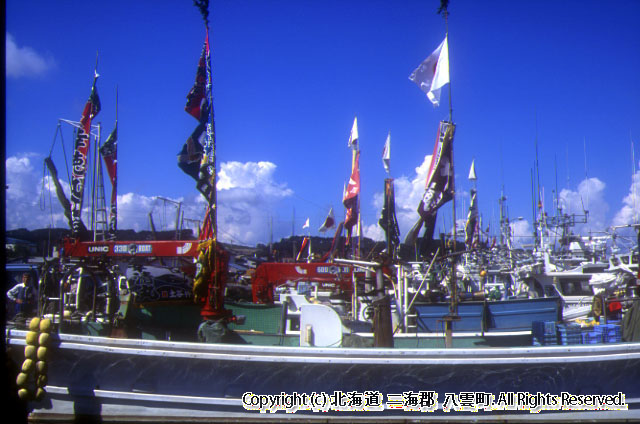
[{"x": 586, "y": 176}]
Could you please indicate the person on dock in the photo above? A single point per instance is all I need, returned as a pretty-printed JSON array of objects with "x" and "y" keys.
[{"x": 22, "y": 296}]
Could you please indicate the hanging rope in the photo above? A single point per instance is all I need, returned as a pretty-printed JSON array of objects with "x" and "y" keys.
[{"x": 44, "y": 176}]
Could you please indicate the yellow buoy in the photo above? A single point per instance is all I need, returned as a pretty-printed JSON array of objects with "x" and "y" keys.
[
  {"x": 41, "y": 367},
  {"x": 31, "y": 338},
  {"x": 23, "y": 394},
  {"x": 41, "y": 381},
  {"x": 40, "y": 392},
  {"x": 43, "y": 340},
  {"x": 22, "y": 379},
  {"x": 27, "y": 365},
  {"x": 45, "y": 325},
  {"x": 42, "y": 353},
  {"x": 34, "y": 324},
  {"x": 30, "y": 351}
]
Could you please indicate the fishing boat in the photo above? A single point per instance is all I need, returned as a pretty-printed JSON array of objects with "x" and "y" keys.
[
  {"x": 93, "y": 365},
  {"x": 126, "y": 379}
]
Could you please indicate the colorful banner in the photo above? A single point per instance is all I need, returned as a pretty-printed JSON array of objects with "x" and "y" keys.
[
  {"x": 350, "y": 199},
  {"x": 388, "y": 220},
  {"x": 471, "y": 229},
  {"x": 191, "y": 154},
  {"x": 197, "y": 99},
  {"x": 440, "y": 179},
  {"x": 80, "y": 157},
  {"x": 109, "y": 152},
  {"x": 201, "y": 143}
]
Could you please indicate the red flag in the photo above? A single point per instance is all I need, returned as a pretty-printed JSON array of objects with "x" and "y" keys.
[
  {"x": 197, "y": 99},
  {"x": 350, "y": 199},
  {"x": 305, "y": 241}
]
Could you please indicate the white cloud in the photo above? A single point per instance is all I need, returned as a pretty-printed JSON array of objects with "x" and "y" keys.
[
  {"x": 24, "y": 61},
  {"x": 247, "y": 191},
  {"x": 31, "y": 200},
  {"x": 521, "y": 232},
  {"x": 589, "y": 193},
  {"x": 590, "y": 196},
  {"x": 408, "y": 193},
  {"x": 133, "y": 213},
  {"x": 630, "y": 211},
  {"x": 373, "y": 231},
  {"x": 21, "y": 179},
  {"x": 23, "y": 194}
]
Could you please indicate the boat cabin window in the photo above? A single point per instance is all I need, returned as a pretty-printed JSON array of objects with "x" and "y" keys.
[{"x": 576, "y": 288}]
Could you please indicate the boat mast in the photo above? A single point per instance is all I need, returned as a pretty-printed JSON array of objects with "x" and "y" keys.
[
  {"x": 214, "y": 303},
  {"x": 359, "y": 223},
  {"x": 99, "y": 211},
  {"x": 453, "y": 306},
  {"x": 633, "y": 174}
]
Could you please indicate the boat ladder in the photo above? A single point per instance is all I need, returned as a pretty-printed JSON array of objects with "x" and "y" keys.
[{"x": 412, "y": 323}]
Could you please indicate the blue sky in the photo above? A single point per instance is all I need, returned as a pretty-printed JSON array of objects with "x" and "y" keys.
[{"x": 289, "y": 78}]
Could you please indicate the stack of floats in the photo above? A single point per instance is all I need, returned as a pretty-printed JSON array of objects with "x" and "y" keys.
[{"x": 550, "y": 333}]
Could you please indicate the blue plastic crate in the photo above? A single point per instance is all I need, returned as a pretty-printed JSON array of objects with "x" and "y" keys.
[
  {"x": 544, "y": 333},
  {"x": 543, "y": 328},
  {"x": 591, "y": 337},
  {"x": 611, "y": 333},
  {"x": 569, "y": 334},
  {"x": 545, "y": 341}
]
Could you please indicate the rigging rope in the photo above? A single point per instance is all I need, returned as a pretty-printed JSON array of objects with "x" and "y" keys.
[{"x": 44, "y": 176}]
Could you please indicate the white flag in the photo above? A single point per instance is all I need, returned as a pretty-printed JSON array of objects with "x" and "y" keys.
[
  {"x": 306, "y": 224},
  {"x": 386, "y": 153},
  {"x": 472, "y": 171},
  {"x": 329, "y": 222},
  {"x": 353, "y": 137},
  {"x": 433, "y": 72}
]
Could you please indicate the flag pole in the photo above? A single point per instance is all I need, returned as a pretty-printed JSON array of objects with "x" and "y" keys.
[
  {"x": 113, "y": 221},
  {"x": 213, "y": 198},
  {"x": 359, "y": 211},
  {"x": 445, "y": 11},
  {"x": 214, "y": 307},
  {"x": 453, "y": 307}
]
